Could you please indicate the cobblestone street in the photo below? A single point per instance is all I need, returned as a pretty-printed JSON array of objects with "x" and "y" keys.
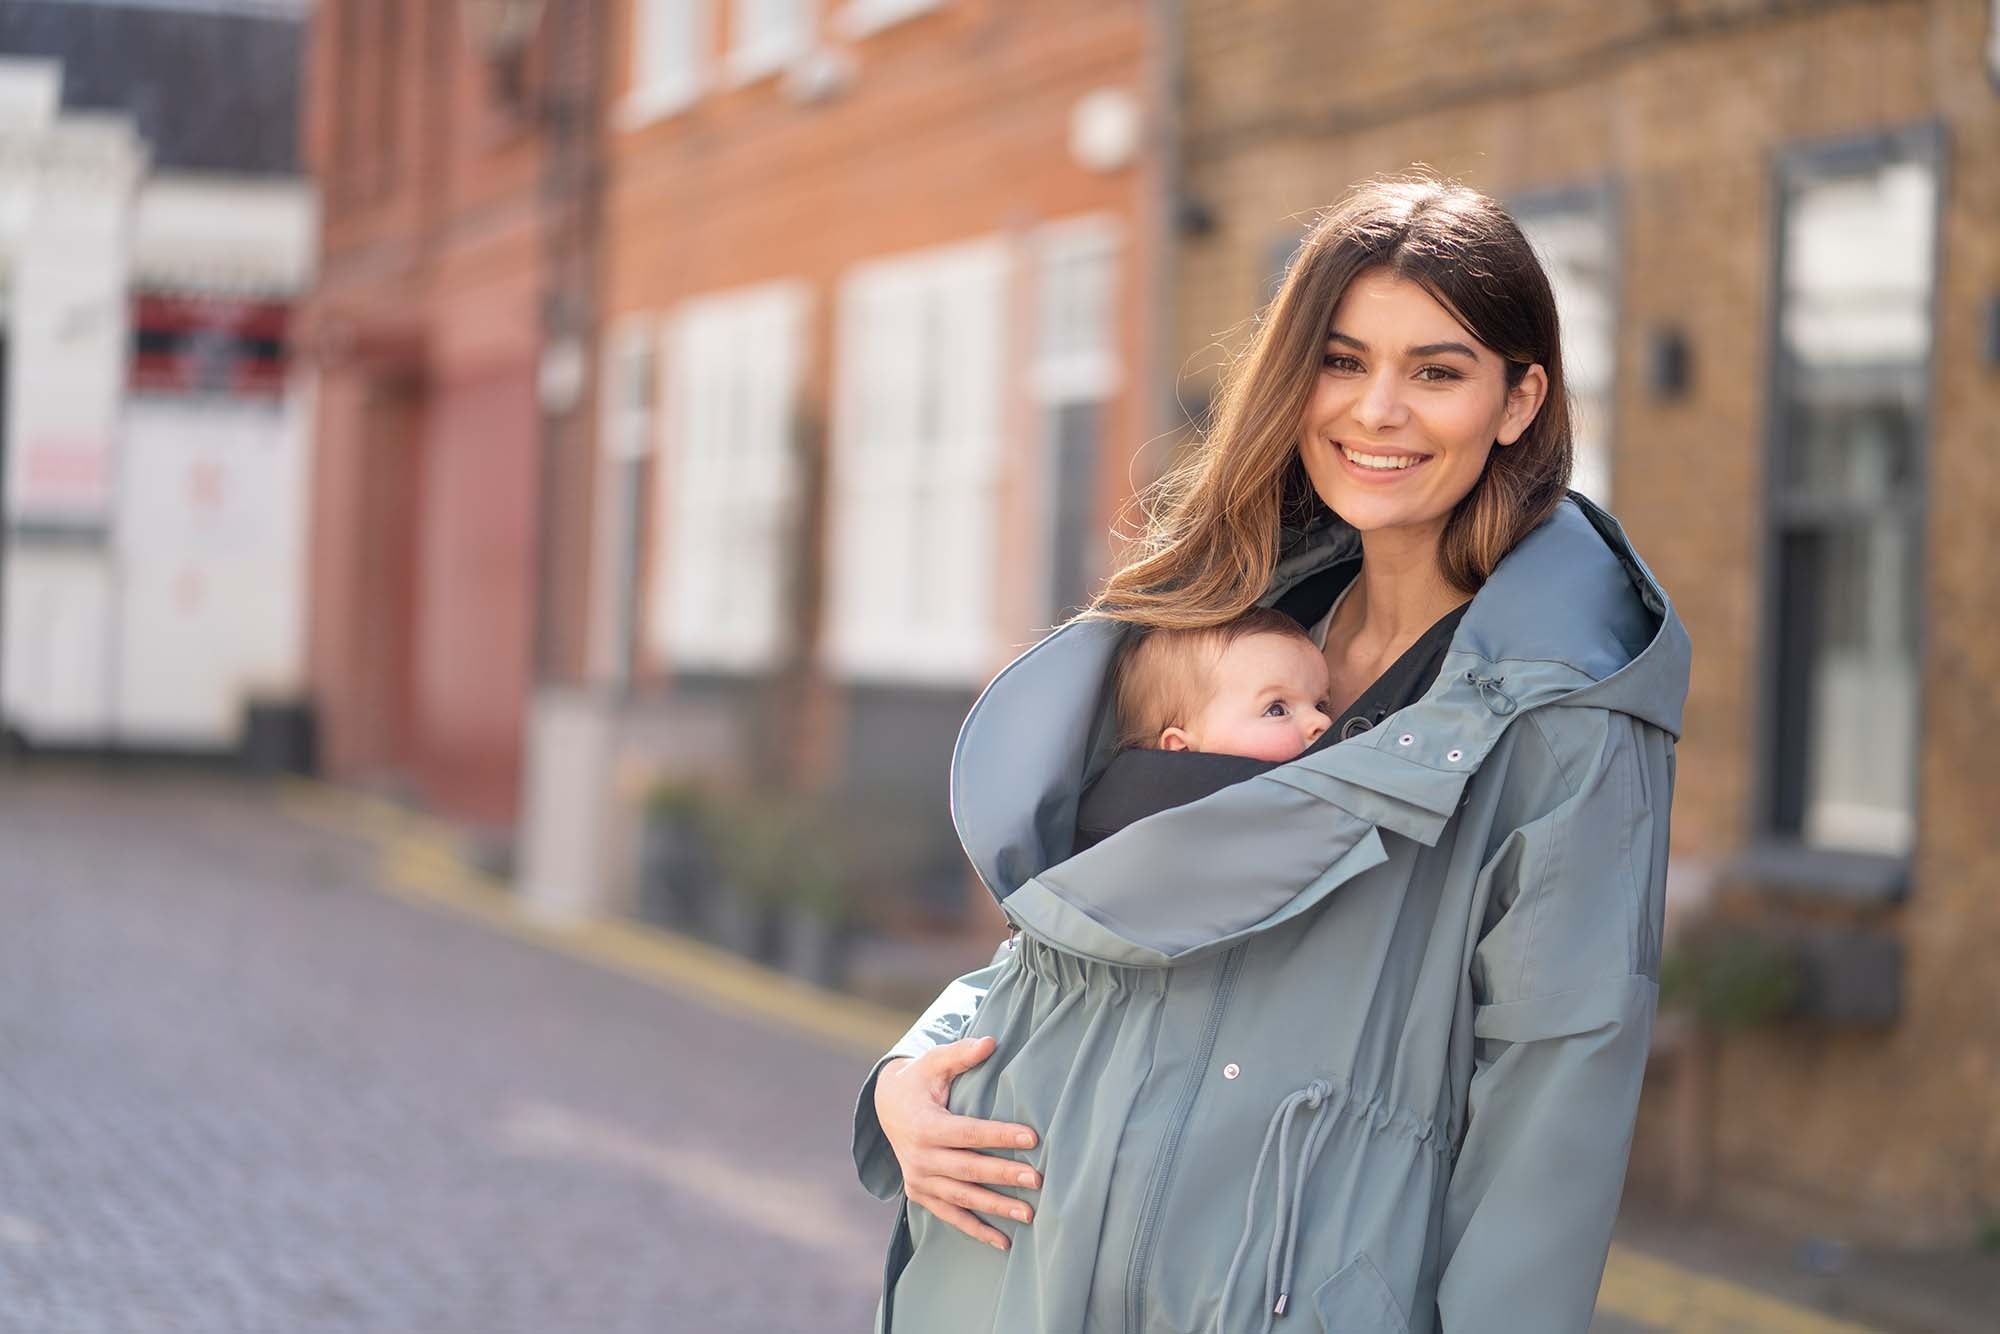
[{"x": 242, "y": 1091}]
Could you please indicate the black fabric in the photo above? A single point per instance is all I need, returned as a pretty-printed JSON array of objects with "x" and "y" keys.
[{"x": 1139, "y": 782}]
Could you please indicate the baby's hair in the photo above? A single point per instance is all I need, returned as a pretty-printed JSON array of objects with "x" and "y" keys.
[{"x": 1160, "y": 676}]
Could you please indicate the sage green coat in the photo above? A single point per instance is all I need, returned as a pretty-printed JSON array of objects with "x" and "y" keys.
[{"x": 1359, "y": 1039}]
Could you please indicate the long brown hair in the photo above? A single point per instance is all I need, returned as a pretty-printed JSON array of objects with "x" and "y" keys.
[{"x": 1213, "y": 522}]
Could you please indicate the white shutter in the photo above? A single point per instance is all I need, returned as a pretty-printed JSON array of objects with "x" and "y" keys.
[
  {"x": 669, "y": 49},
  {"x": 915, "y": 458},
  {"x": 729, "y": 479}
]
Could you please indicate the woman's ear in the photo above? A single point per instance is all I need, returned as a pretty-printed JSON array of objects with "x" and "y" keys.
[
  {"x": 1524, "y": 400},
  {"x": 1175, "y": 738}
]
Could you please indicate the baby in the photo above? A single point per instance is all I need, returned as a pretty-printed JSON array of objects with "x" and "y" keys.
[{"x": 1254, "y": 686}]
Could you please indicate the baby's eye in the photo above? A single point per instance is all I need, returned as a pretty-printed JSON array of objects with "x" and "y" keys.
[{"x": 1275, "y": 709}]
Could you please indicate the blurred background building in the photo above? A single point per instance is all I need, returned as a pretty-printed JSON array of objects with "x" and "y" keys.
[
  {"x": 156, "y": 232},
  {"x": 713, "y": 394}
]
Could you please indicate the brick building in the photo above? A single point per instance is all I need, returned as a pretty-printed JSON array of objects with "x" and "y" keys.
[
  {"x": 445, "y": 138},
  {"x": 874, "y": 278},
  {"x": 1775, "y": 231}
]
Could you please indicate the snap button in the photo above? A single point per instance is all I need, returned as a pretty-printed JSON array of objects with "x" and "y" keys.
[
  {"x": 1231, "y": 1070},
  {"x": 1455, "y": 755},
  {"x": 1406, "y": 738}
]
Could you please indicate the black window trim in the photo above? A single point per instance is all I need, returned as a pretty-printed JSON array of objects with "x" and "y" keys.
[{"x": 1772, "y": 861}]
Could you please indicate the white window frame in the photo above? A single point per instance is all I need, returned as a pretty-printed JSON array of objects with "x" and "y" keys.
[
  {"x": 660, "y": 85},
  {"x": 1071, "y": 365},
  {"x": 627, "y": 426},
  {"x": 728, "y": 486},
  {"x": 766, "y": 36},
  {"x": 913, "y": 519},
  {"x": 860, "y": 18}
]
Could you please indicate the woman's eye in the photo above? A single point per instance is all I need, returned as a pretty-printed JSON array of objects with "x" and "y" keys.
[
  {"x": 1339, "y": 361},
  {"x": 1443, "y": 373}
]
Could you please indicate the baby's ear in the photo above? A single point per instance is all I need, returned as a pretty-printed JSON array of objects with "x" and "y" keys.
[{"x": 1175, "y": 738}]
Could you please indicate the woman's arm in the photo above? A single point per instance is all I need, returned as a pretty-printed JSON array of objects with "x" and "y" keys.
[
  {"x": 907, "y": 1138},
  {"x": 945, "y": 1021},
  {"x": 1565, "y": 984}
]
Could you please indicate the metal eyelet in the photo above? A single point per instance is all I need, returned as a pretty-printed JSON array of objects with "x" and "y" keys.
[
  {"x": 1455, "y": 756},
  {"x": 1406, "y": 738}
]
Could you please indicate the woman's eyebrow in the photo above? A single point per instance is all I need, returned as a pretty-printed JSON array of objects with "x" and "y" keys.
[{"x": 1422, "y": 350}]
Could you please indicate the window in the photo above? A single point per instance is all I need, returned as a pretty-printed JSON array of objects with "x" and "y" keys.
[
  {"x": 1856, "y": 264},
  {"x": 1075, "y": 375},
  {"x": 729, "y": 487},
  {"x": 626, "y": 427},
  {"x": 861, "y": 17},
  {"x": 913, "y": 525},
  {"x": 1575, "y": 235},
  {"x": 767, "y": 35},
  {"x": 670, "y": 45}
]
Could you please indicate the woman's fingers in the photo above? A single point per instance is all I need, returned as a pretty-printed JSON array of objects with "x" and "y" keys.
[
  {"x": 978, "y": 1199},
  {"x": 945, "y": 1063},
  {"x": 967, "y": 1223},
  {"x": 964, "y": 1165},
  {"x": 976, "y": 1132}
]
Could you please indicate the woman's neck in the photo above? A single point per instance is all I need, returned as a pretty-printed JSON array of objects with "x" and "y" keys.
[{"x": 1399, "y": 593}]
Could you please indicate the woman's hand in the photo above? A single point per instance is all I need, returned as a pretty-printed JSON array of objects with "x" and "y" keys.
[{"x": 935, "y": 1146}]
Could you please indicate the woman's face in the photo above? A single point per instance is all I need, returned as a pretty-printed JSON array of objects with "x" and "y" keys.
[{"x": 1406, "y": 406}]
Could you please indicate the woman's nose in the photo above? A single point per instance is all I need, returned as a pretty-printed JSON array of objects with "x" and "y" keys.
[{"x": 1379, "y": 404}]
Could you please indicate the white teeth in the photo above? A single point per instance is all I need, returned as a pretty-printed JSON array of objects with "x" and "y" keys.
[{"x": 1384, "y": 461}]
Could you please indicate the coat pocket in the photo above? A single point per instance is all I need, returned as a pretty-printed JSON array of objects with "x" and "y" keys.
[{"x": 1357, "y": 1300}]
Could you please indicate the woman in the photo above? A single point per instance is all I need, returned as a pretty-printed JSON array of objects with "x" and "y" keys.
[{"x": 1357, "y": 1038}]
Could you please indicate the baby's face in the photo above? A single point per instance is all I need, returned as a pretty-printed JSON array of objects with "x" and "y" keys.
[{"x": 1267, "y": 702}]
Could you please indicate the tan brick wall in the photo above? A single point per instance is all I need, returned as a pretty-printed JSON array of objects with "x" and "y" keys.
[{"x": 1894, "y": 1136}]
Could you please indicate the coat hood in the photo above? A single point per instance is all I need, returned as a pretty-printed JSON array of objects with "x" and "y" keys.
[{"x": 1571, "y": 615}]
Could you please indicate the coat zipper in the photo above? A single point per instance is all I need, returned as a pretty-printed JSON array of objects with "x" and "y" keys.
[{"x": 1163, "y": 1168}]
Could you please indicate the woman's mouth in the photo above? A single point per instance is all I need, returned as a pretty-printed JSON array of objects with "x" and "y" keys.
[{"x": 1380, "y": 467}]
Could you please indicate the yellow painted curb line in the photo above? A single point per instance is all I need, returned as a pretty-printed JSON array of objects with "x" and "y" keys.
[
  {"x": 421, "y": 867},
  {"x": 1660, "y": 1293}
]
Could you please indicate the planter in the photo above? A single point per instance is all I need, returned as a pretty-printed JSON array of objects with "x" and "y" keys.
[
  {"x": 676, "y": 873},
  {"x": 745, "y": 925},
  {"x": 815, "y": 947}
]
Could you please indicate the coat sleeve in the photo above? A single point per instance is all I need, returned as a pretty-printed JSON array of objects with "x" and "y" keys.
[
  {"x": 945, "y": 1021},
  {"x": 1564, "y": 984}
]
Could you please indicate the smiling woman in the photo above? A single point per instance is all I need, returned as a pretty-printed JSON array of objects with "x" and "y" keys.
[{"x": 1365, "y": 1027}]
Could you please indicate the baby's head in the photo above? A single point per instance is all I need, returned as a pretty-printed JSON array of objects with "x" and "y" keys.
[{"x": 1253, "y": 686}]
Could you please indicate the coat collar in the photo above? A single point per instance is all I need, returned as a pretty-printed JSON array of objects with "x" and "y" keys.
[{"x": 1571, "y": 614}]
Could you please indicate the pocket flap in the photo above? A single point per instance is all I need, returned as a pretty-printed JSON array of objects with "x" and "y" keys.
[{"x": 1357, "y": 1300}]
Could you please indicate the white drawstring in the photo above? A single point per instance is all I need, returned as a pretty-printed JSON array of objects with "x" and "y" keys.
[{"x": 1285, "y": 1232}]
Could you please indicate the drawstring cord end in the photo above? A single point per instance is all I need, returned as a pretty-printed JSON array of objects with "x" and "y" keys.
[{"x": 1279, "y": 1309}]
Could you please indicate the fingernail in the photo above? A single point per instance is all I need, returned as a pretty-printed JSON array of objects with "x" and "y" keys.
[
  {"x": 1025, "y": 1140},
  {"x": 999, "y": 1245},
  {"x": 1021, "y": 1215},
  {"x": 1027, "y": 1178}
]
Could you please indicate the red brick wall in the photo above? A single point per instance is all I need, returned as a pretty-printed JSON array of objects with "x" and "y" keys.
[{"x": 430, "y": 288}]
